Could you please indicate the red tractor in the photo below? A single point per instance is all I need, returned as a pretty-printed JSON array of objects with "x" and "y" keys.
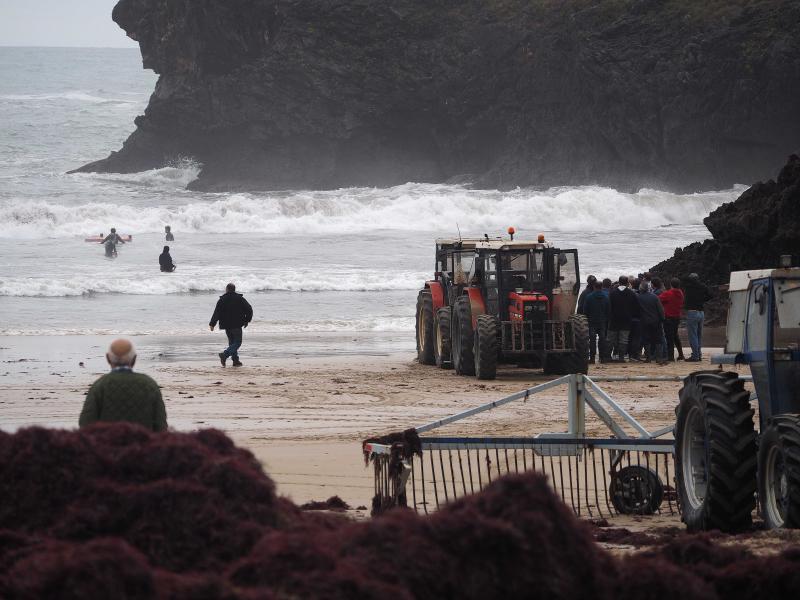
[{"x": 502, "y": 301}]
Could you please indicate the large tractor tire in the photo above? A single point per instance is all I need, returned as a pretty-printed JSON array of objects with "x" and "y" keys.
[
  {"x": 486, "y": 332},
  {"x": 425, "y": 339},
  {"x": 565, "y": 363},
  {"x": 715, "y": 453},
  {"x": 461, "y": 334},
  {"x": 442, "y": 345},
  {"x": 779, "y": 472}
]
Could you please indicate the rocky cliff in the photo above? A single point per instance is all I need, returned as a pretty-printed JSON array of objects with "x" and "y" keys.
[
  {"x": 750, "y": 233},
  {"x": 320, "y": 93}
]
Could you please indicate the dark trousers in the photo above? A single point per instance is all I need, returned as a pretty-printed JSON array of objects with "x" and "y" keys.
[
  {"x": 635, "y": 339},
  {"x": 673, "y": 339},
  {"x": 651, "y": 340},
  {"x": 598, "y": 334},
  {"x": 234, "y": 342}
]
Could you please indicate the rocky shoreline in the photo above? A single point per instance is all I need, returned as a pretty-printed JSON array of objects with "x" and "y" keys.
[
  {"x": 750, "y": 233},
  {"x": 277, "y": 94}
]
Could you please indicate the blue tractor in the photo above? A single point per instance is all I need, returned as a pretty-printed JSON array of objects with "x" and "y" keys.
[{"x": 722, "y": 465}]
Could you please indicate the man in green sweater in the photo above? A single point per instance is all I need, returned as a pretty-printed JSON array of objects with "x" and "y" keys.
[{"x": 123, "y": 395}]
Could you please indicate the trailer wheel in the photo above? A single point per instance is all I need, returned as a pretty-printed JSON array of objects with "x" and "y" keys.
[
  {"x": 715, "y": 452},
  {"x": 779, "y": 472},
  {"x": 441, "y": 347},
  {"x": 425, "y": 328},
  {"x": 461, "y": 335},
  {"x": 636, "y": 490},
  {"x": 486, "y": 347}
]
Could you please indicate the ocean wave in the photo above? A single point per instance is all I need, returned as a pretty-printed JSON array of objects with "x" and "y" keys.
[
  {"x": 412, "y": 207},
  {"x": 333, "y": 326},
  {"x": 73, "y": 96},
  {"x": 327, "y": 280}
]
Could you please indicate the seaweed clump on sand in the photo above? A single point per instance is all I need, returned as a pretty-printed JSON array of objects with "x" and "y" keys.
[{"x": 117, "y": 511}]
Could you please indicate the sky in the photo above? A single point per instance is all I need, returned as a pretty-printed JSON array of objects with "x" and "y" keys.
[{"x": 60, "y": 23}]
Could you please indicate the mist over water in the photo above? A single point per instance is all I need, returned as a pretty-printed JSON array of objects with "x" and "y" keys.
[{"x": 311, "y": 262}]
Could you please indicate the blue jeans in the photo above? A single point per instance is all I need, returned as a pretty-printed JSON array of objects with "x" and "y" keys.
[
  {"x": 234, "y": 342},
  {"x": 694, "y": 327}
]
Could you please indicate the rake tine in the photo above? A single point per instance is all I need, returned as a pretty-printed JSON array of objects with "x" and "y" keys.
[
  {"x": 594, "y": 475},
  {"x": 444, "y": 477},
  {"x": 413, "y": 485},
  {"x": 469, "y": 470},
  {"x": 647, "y": 466},
  {"x": 553, "y": 479},
  {"x": 605, "y": 481},
  {"x": 488, "y": 467},
  {"x": 478, "y": 468},
  {"x": 497, "y": 456},
  {"x": 669, "y": 496},
  {"x": 452, "y": 473},
  {"x": 570, "y": 481},
  {"x": 461, "y": 468},
  {"x": 586, "y": 480},
  {"x": 422, "y": 480},
  {"x": 561, "y": 473},
  {"x": 433, "y": 475},
  {"x": 508, "y": 468},
  {"x": 524, "y": 460}
]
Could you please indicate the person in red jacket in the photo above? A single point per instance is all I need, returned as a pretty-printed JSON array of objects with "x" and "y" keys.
[{"x": 672, "y": 299}]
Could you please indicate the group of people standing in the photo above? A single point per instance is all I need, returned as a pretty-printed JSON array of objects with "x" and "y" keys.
[{"x": 638, "y": 319}]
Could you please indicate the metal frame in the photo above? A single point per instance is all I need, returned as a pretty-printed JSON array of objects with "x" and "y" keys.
[{"x": 570, "y": 451}]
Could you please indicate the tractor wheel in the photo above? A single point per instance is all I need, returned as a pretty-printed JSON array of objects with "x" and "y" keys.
[
  {"x": 461, "y": 336},
  {"x": 486, "y": 347},
  {"x": 425, "y": 328},
  {"x": 779, "y": 472},
  {"x": 636, "y": 490},
  {"x": 441, "y": 347},
  {"x": 552, "y": 364},
  {"x": 715, "y": 452}
]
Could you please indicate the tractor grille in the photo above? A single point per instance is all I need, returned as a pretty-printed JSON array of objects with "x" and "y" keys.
[{"x": 530, "y": 336}]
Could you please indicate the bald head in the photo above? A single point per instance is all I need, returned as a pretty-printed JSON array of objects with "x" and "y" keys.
[{"x": 121, "y": 353}]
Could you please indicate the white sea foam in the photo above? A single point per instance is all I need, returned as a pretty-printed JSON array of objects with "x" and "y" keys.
[
  {"x": 139, "y": 283},
  {"x": 72, "y": 96},
  {"x": 410, "y": 207},
  {"x": 373, "y": 324}
]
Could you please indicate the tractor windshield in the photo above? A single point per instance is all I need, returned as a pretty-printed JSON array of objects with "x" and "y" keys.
[
  {"x": 523, "y": 268},
  {"x": 565, "y": 267},
  {"x": 788, "y": 303}
]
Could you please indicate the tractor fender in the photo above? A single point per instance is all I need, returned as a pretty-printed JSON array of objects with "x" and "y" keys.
[
  {"x": 476, "y": 304},
  {"x": 437, "y": 294}
]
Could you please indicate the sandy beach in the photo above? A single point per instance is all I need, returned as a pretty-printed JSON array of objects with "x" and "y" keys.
[{"x": 304, "y": 417}]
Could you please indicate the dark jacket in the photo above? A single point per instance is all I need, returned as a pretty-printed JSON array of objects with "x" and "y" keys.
[
  {"x": 582, "y": 300},
  {"x": 651, "y": 307},
  {"x": 123, "y": 395},
  {"x": 232, "y": 311},
  {"x": 165, "y": 262},
  {"x": 624, "y": 307},
  {"x": 695, "y": 294},
  {"x": 597, "y": 307}
]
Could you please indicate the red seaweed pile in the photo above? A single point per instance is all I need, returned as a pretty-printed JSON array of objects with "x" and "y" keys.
[{"x": 115, "y": 511}]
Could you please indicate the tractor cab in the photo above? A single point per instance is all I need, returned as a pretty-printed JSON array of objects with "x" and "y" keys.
[{"x": 763, "y": 331}]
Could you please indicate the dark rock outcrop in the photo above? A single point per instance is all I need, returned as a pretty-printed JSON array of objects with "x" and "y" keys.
[
  {"x": 314, "y": 93},
  {"x": 749, "y": 233}
]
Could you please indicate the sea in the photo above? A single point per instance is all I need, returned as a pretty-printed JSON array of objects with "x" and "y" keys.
[{"x": 327, "y": 272}]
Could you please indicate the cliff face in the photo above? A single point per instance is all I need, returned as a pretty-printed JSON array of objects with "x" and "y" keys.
[
  {"x": 316, "y": 93},
  {"x": 750, "y": 233}
]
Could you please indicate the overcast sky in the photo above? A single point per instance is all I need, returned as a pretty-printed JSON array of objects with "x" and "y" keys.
[{"x": 60, "y": 23}]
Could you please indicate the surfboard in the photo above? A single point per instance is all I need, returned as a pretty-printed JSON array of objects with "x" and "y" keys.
[{"x": 100, "y": 238}]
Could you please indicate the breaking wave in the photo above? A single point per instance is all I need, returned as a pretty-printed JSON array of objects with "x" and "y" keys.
[
  {"x": 411, "y": 207},
  {"x": 331, "y": 280},
  {"x": 72, "y": 96}
]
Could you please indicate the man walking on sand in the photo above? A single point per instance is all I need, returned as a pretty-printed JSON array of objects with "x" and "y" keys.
[
  {"x": 123, "y": 395},
  {"x": 233, "y": 313}
]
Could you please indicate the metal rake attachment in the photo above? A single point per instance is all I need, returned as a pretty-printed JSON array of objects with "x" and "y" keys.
[{"x": 597, "y": 477}]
